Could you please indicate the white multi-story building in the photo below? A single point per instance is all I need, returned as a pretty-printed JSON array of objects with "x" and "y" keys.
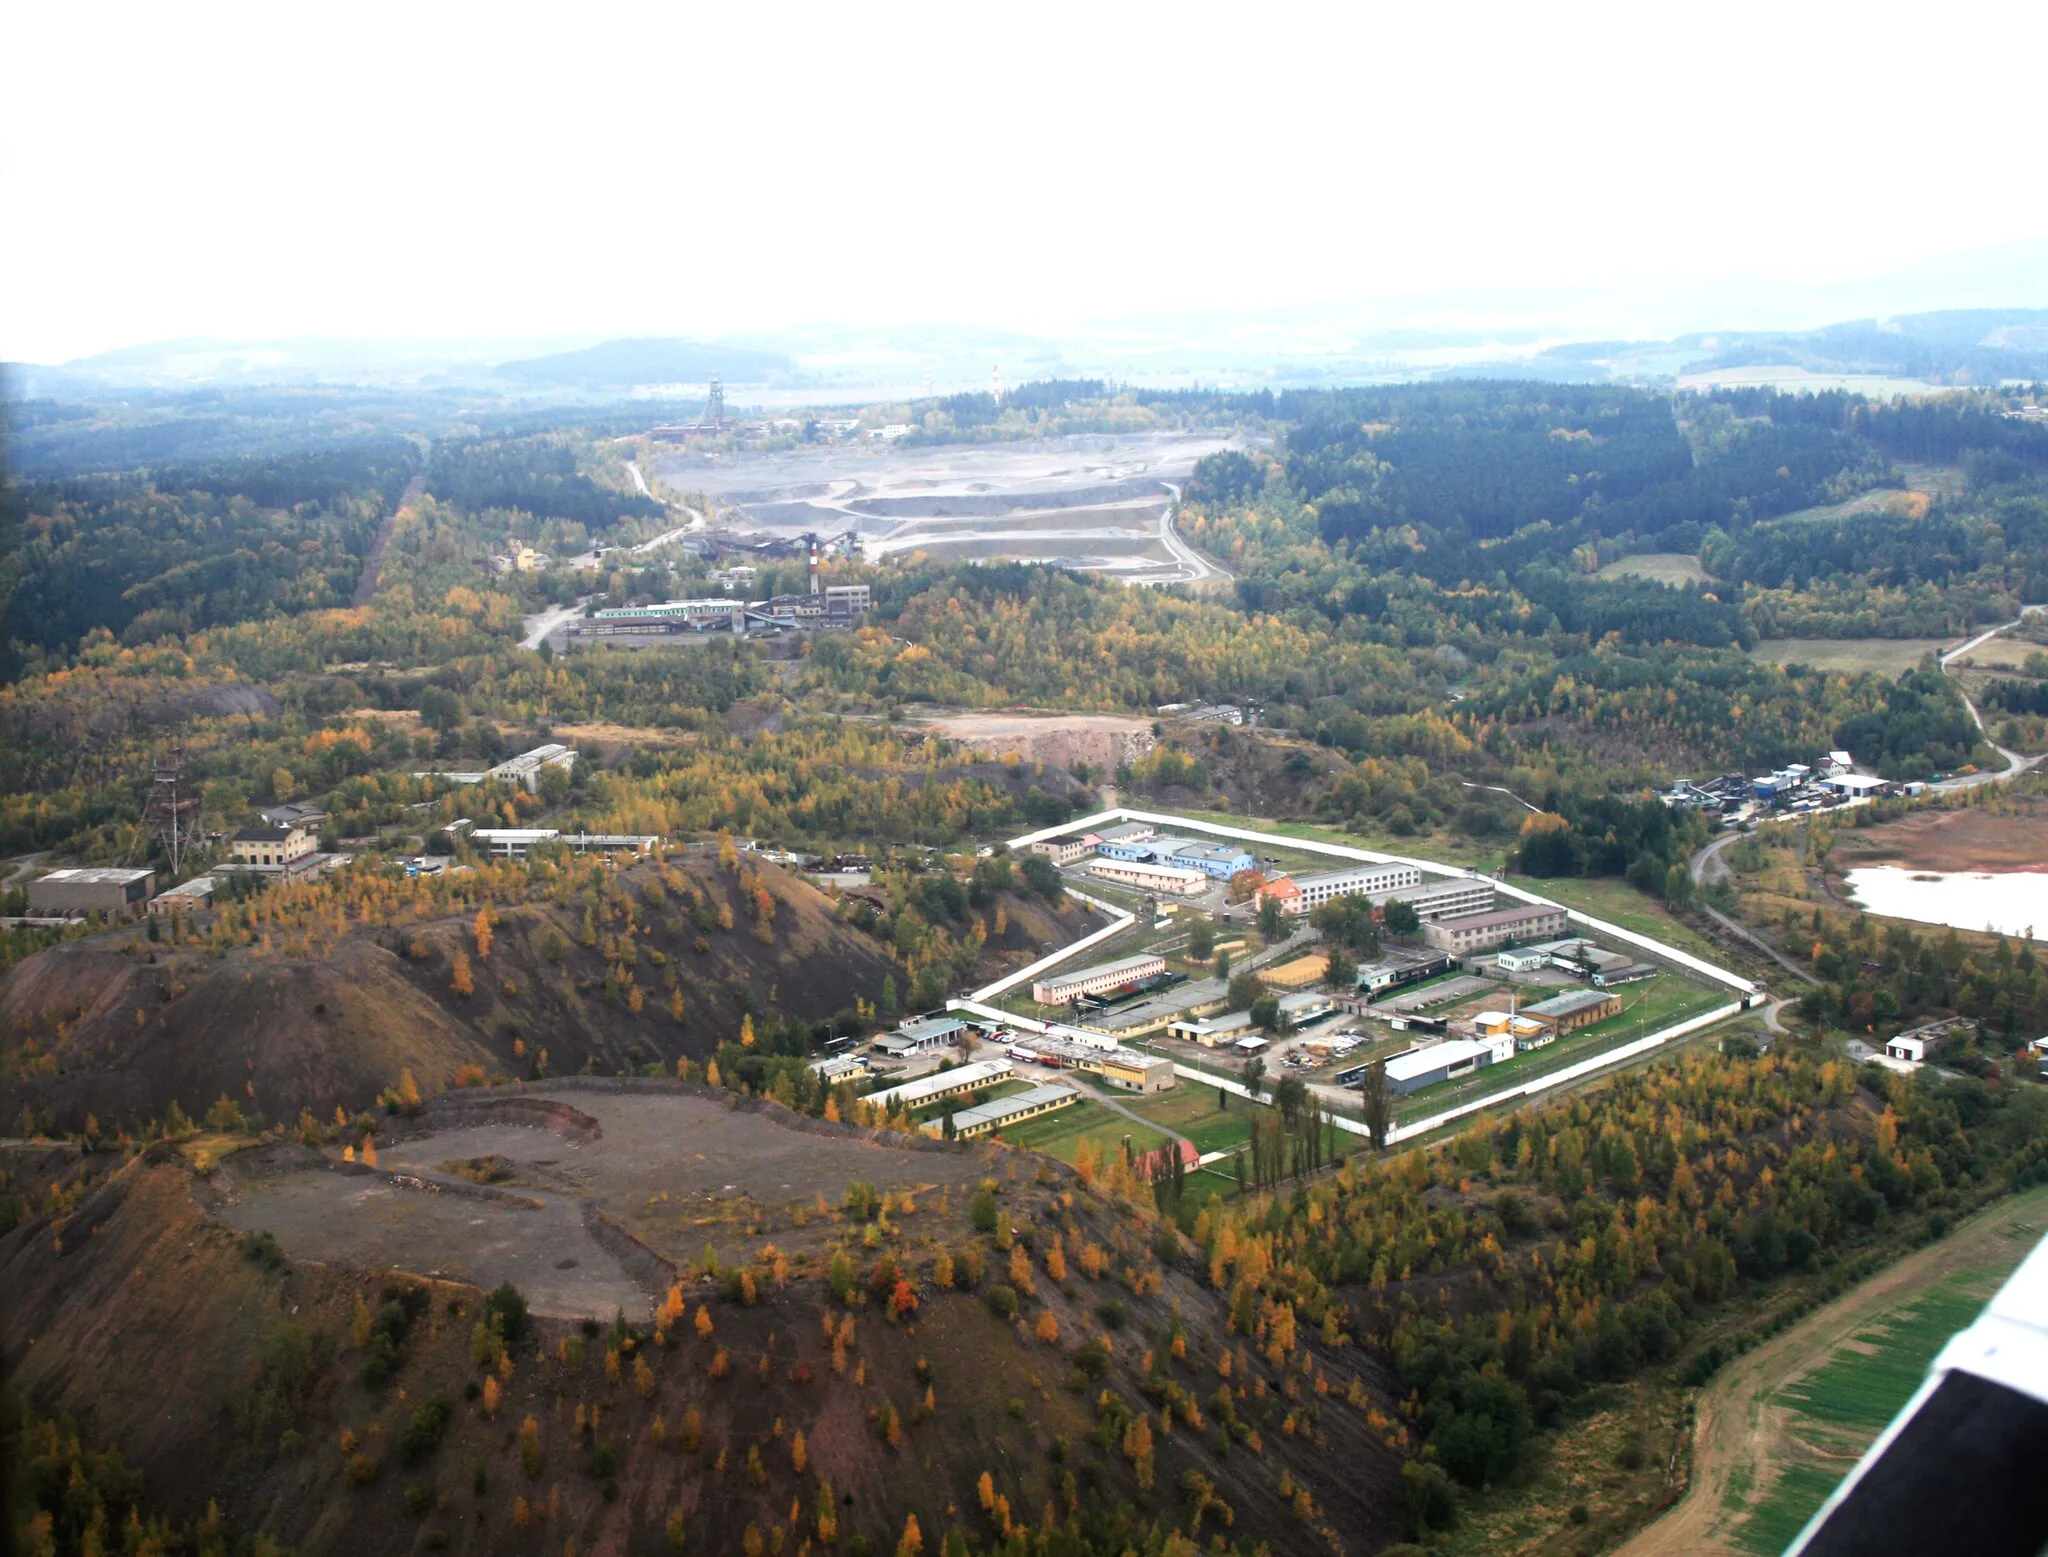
[
  {"x": 1373, "y": 881},
  {"x": 1446, "y": 899}
]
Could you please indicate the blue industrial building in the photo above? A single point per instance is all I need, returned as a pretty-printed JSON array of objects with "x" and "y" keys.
[{"x": 1216, "y": 859}]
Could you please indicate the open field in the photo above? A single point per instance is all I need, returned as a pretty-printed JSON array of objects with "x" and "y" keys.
[
  {"x": 1612, "y": 899},
  {"x": 1935, "y": 480},
  {"x": 1662, "y": 567},
  {"x": 1781, "y": 1425},
  {"x": 1191, "y": 1110},
  {"x": 1442, "y": 844},
  {"x": 1061, "y": 1134},
  {"x": 2001, "y": 654},
  {"x": 1883, "y": 656},
  {"x": 1875, "y": 501}
]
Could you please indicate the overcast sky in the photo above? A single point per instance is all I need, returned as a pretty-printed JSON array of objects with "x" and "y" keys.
[{"x": 443, "y": 171}]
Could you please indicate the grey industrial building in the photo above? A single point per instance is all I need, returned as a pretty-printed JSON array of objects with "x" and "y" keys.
[{"x": 92, "y": 889}]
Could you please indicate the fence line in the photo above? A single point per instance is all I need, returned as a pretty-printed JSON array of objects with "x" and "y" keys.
[
  {"x": 977, "y": 1001},
  {"x": 1683, "y": 959}
]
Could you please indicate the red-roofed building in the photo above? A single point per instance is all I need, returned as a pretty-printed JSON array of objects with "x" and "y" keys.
[
  {"x": 1284, "y": 894},
  {"x": 1145, "y": 1164}
]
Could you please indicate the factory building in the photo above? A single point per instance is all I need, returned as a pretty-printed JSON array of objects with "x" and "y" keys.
[
  {"x": 1132, "y": 1071},
  {"x": 91, "y": 889},
  {"x": 273, "y": 848},
  {"x": 524, "y": 770},
  {"x": 1119, "y": 845},
  {"x": 1218, "y": 861},
  {"x": 183, "y": 899}
]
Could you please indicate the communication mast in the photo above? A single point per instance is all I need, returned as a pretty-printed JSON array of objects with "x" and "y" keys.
[
  {"x": 173, "y": 815},
  {"x": 996, "y": 374}
]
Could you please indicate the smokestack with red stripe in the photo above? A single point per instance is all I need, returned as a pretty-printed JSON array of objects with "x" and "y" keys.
[{"x": 814, "y": 565}]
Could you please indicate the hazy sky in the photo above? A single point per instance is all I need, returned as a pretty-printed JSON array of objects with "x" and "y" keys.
[{"x": 444, "y": 171}]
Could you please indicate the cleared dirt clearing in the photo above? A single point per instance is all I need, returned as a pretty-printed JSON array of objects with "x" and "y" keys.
[{"x": 1885, "y": 656}]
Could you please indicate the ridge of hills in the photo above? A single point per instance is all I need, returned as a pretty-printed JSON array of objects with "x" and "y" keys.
[{"x": 117, "y": 1027}]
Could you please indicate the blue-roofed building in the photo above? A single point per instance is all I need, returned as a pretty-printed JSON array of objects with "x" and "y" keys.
[
  {"x": 1149, "y": 850},
  {"x": 1221, "y": 860}
]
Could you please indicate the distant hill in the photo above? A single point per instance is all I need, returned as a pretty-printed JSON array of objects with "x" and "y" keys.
[
  {"x": 626, "y": 364},
  {"x": 1960, "y": 346}
]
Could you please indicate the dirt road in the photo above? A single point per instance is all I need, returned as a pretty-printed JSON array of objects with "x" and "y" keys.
[
  {"x": 1741, "y": 1437},
  {"x": 373, "y": 564},
  {"x": 1707, "y": 867},
  {"x": 2015, "y": 764}
]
